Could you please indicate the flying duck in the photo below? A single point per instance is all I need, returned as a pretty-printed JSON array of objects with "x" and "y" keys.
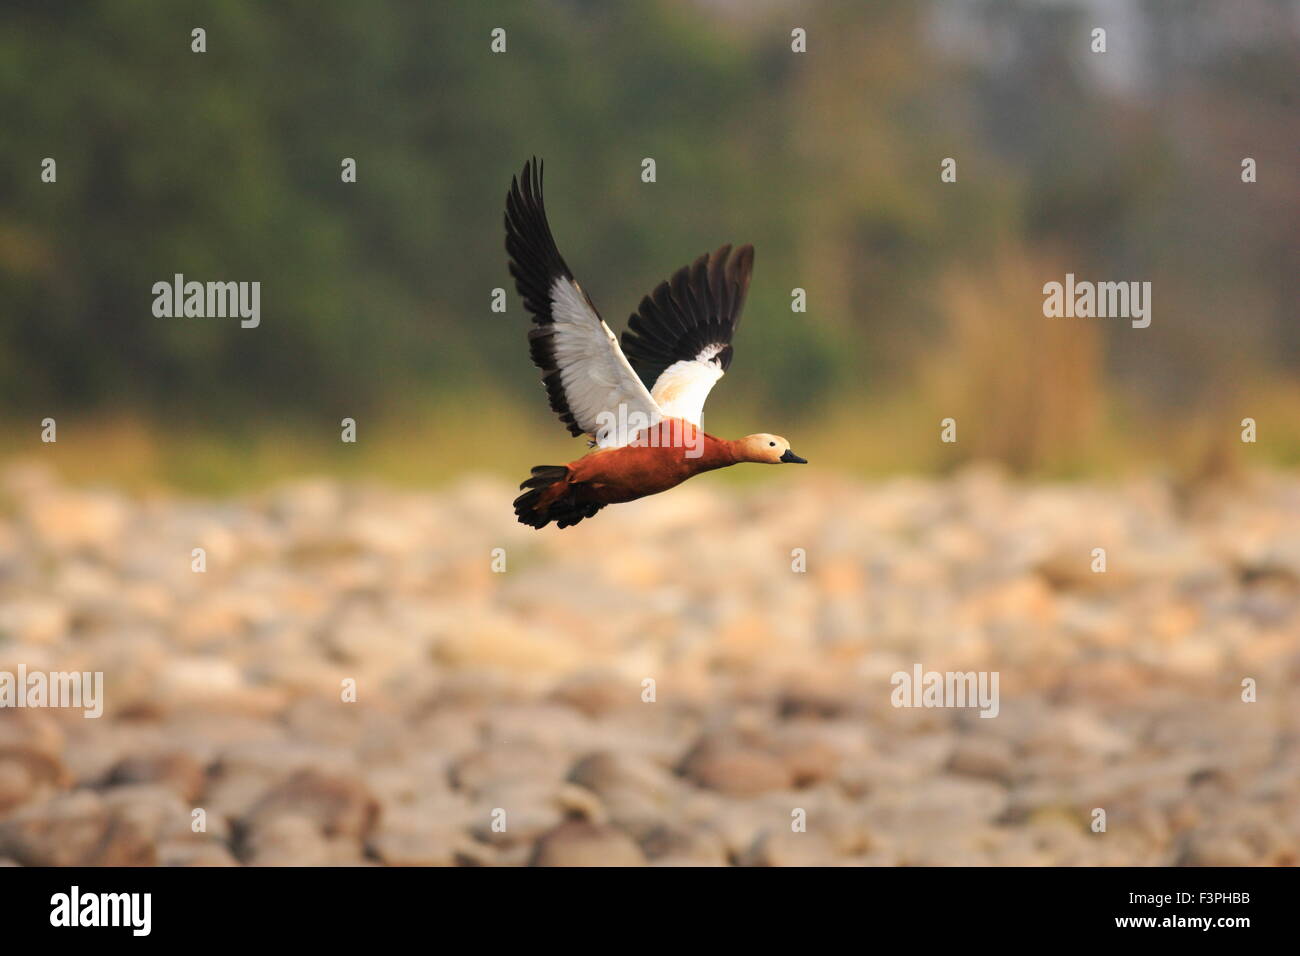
[{"x": 645, "y": 440}]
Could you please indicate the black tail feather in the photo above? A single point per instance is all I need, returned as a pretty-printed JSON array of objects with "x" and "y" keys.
[
  {"x": 565, "y": 511},
  {"x": 544, "y": 475}
]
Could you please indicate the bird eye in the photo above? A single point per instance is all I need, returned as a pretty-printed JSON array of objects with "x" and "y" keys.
[{"x": 772, "y": 443}]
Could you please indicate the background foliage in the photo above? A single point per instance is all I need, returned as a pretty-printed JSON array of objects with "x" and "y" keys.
[{"x": 923, "y": 297}]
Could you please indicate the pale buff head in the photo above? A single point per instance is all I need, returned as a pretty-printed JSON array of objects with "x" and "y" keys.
[{"x": 767, "y": 449}]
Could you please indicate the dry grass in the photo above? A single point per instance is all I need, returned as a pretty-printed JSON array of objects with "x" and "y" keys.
[{"x": 1026, "y": 391}]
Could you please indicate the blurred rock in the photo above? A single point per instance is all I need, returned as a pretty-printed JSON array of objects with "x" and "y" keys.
[
  {"x": 578, "y": 843},
  {"x": 286, "y": 840},
  {"x": 595, "y": 694},
  {"x": 477, "y": 771},
  {"x": 75, "y": 829},
  {"x": 415, "y": 848},
  {"x": 808, "y": 760},
  {"x": 351, "y": 683},
  {"x": 178, "y": 771},
  {"x": 735, "y": 770},
  {"x": 336, "y": 805},
  {"x": 981, "y": 756},
  {"x": 208, "y": 853},
  {"x": 684, "y": 846},
  {"x": 608, "y": 772},
  {"x": 66, "y": 520},
  {"x": 31, "y": 765},
  {"x": 34, "y": 620},
  {"x": 517, "y": 811},
  {"x": 787, "y": 848}
]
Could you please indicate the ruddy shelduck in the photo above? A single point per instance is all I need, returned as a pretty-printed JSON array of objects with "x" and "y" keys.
[{"x": 645, "y": 440}]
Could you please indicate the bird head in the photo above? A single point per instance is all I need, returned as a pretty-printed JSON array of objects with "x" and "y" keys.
[{"x": 768, "y": 449}]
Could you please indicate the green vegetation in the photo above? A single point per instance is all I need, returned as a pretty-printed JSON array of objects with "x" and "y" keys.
[{"x": 923, "y": 297}]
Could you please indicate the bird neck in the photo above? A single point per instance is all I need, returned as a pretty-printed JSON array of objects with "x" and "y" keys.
[{"x": 719, "y": 453}]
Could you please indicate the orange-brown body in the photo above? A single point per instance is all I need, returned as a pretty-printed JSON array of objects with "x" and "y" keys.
[
  {"x": 659, "y": 458},
  {"x": 647, "y": 466}
]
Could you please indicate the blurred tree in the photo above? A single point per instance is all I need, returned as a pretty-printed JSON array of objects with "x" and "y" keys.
[{"x": 225, "y": 165}]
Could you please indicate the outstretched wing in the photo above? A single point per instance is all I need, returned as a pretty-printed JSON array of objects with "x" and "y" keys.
[
  {"x": 583, "y": 369},
  {"x": 680, "y": 336}
]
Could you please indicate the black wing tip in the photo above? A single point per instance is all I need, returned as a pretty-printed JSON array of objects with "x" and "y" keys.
[
  {"x": 534, "y": 261},
  {"x": 743, "y": 258},
  {"x": 525, "y": 192},
  {"x": 531, "y": 177},
  {"x": 737, "y": 262},
  {"x": 698, "y": 306}
]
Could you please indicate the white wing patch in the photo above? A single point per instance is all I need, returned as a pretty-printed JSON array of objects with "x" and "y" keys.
[
  {"x": 681, "y": 388},
  {"x": 605, "y": 396}
]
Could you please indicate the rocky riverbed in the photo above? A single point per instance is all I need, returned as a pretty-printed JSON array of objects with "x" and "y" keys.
[{"x": 702, "y": 678}]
